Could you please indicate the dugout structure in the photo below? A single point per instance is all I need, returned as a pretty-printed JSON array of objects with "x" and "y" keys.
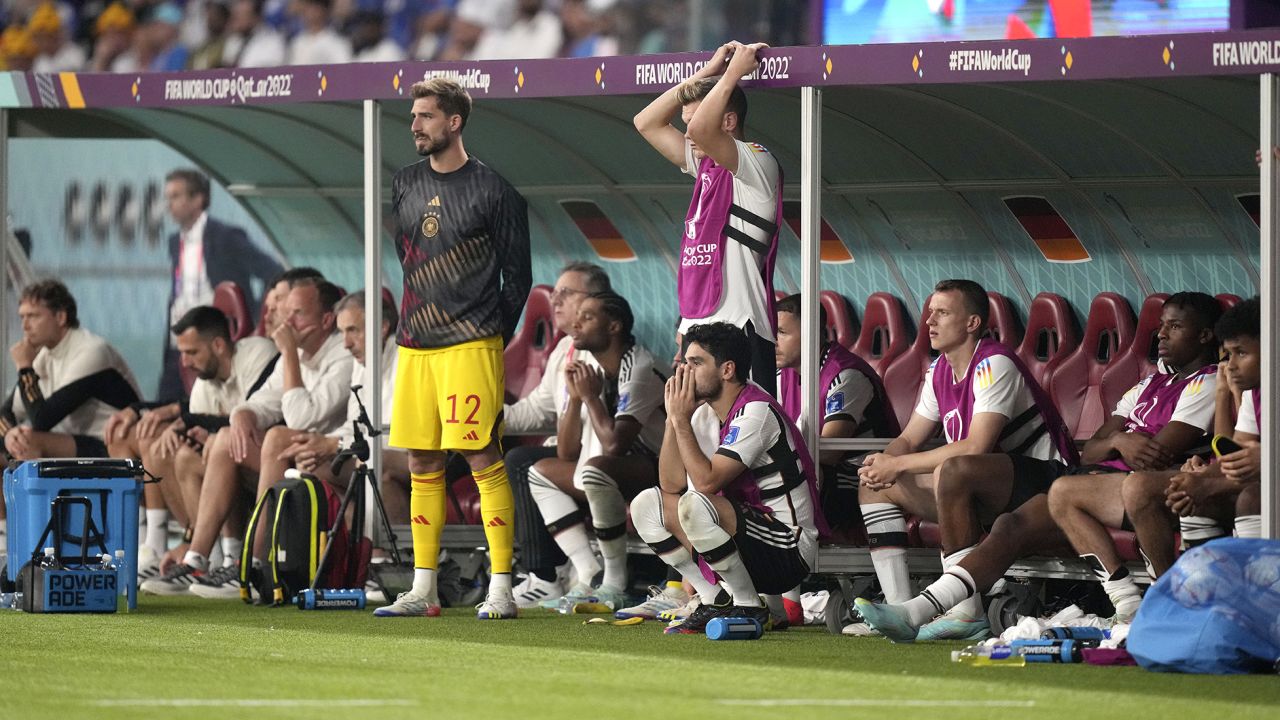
[{"x": 859, "y": 130}]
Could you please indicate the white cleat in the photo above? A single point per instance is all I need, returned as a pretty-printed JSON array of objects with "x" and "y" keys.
[
  {"x": 660, "y": 600},
  {"x": 534, "y": 590},
  {"x": 409, "y": 605},
  {"x": 499, "y": 605}
]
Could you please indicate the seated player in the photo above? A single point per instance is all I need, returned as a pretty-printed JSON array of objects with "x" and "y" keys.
[
  {"x": 70, "y": 381},
  {"x": 854, "y": 405},
  {"x": 607, "y": 444},
  {"x": 538, "y": 412},
  {"x": 1005, "y": 444},
  {"x": 1154, "y": 426},
  {"x": 744, "y": 496},
  {"x": 159, "y": 435},
  {"x": 1228, "y": 492},
  {"x": 307, "y": 391}
]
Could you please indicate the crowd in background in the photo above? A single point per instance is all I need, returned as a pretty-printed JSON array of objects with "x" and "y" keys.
[{"x": 170, "y": 35}]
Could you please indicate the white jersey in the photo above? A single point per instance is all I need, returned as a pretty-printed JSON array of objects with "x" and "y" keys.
[
  {"x": 320, "y": 404},
  {"x": 998, "y": 388},
  {"x": 218, "y": 397},
  {"x": 758, "y": 438},
  {"x": 538, "y": 411},
  {"x": 80, "y": 354},
  {"x": 639, "y": 396},
  {"x": 1247, "y": 418},
  {"x": 744, "y": 297}
]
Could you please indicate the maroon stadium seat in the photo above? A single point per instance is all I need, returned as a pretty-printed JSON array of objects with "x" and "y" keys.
[
  {"x": 1139, "y": 359},
  {"x": 842, "y": 326},
  {"x": 1002, "y": 322},
  {"x": 526, "y": 355},
  {"x": 467, "y": 495},
  {"x": 1050, "y": 336},
  {"x": 1076, "y": 387},
  {"x": 1227, "y": 300},
  {"x": 885, "y": 334},
  {"x": 229, "y": 298},
  {"x": 905, "y": 375}
]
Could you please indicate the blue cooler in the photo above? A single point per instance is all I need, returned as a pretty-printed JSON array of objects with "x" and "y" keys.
[{"x": 113, "y": 488}]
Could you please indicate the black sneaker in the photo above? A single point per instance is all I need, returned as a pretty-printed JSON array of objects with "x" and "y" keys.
[
  {"x": 176, "y": 581},
  {"x": 696, "y": 622},
  {"x": 221, "y": 584},
  {"x": 760, "y": 614}
]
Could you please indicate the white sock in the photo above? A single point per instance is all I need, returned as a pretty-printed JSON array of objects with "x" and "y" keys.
[
  {"x": 609, "y": 516},
  {"x": 157, "y": 531},
  {"x": 1122, "y": 590},
  {"x": 232, "y": 548},
  {"x": 4, "y": 526},
  {"x": 1199, "y": 530},
  {"x": 701, "y": 525},
  {"x": 500, "y": 582},
  {"x": 970, "y": 607},
  {"x": 196, "y": 560},
  {"x": 646, "y": 515},
  {"x": 1249, "y": 526},
  {"x": 887, "y": 535},
  {"x": 424, "y": 583},
  {"x": 955, "y": 586},
  {"x": 564, "y": 521}
]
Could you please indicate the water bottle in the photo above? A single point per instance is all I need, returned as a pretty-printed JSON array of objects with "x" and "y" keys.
[
  {"x": 1076, "y": 633},
  {"x": 50, "y": 559},
  {"x": 734, "y": 628},
  {"x": 6, "y": 601},
  {"x": 330, "y": 599},
  {"x": 989, "y": 656},
  {"x": 1052, "y": 651}
]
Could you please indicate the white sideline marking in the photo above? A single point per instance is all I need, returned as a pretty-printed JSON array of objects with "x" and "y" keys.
[
  {"x": 875, "y": 702},
  {"x": 271, "y": 702}
]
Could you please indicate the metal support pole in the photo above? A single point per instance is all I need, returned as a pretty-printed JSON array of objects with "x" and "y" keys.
[
  {"x": 1270, "y": 182},
  {"x": 810, "y": 265},
  {"x": 5, "y": 311},
  {"x": 373, "y": 295}
]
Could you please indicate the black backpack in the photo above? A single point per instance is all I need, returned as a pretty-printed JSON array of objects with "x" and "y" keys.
[{"x": 299, "y": 513}]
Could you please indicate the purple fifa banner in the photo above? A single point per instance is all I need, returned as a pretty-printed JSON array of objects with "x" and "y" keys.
[{"x": 1246, "y": 52}]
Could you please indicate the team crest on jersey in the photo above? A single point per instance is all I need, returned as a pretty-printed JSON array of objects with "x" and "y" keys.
[
  {"x": 624, "y": 401},
  {"x": 953, "y": 426},
  {"x": 430, "y": 225},
  {"x": 731, "y": 436},
  {"x": 984, "y": 374},
  {"x": 835, "y": 402}
]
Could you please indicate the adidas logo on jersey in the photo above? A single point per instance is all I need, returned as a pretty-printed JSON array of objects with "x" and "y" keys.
[
  {"x": 435, "y": 202},
  {"x": 471, "y": 436},
  {"x": 497, "y": 522}
]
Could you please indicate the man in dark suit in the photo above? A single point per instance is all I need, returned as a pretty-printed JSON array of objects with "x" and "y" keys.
[{"x": 203, "y": 253}]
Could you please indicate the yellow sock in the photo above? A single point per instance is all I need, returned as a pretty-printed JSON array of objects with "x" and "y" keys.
[
  {"x": 426, "y": 517},
  {"x": 497, "y": 511}
]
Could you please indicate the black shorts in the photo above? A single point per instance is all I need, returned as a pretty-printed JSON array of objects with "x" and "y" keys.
[
  {"x": 89, "y": 447},
  {"x": 1031, "y": 477},
  {"x": 770, "y": 550}
]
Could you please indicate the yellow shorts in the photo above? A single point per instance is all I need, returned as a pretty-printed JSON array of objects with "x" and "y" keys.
[{"x": 448, "y": 398}]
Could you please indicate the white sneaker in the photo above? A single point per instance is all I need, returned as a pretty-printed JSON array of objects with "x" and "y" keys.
[
  {"x": 859, "y": 629},
  {"x": 221, "y": 584},
  {"x": 499, "y": 605},
  {"x": 409, "y": 605},
  {"x": 682, "y": 612},
  {"x": 660, "y": 599},
  {"x": 148, "y": 564},
  {"x": 373, "y": 594},
  {"x": 534, "y": 590}
]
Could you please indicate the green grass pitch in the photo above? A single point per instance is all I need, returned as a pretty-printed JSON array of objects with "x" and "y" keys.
[{"x": 192, "y": 658}]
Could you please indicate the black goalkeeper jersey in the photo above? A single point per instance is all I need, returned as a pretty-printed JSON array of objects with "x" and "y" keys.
[{"x": 463, "y": 241}]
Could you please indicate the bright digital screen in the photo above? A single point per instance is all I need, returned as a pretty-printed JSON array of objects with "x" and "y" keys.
[{"x": 848, "y": 22}]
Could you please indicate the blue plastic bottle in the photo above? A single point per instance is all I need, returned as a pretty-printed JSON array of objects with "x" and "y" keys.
[
  {"x": 330, "y": 599},
  {"x": 734, "y": 628}
]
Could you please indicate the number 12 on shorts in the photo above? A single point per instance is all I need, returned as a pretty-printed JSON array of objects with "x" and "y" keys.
[{"x": 471, "y": 400}]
